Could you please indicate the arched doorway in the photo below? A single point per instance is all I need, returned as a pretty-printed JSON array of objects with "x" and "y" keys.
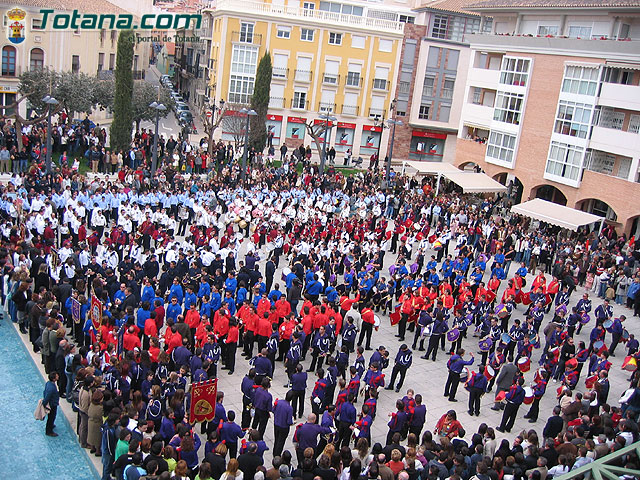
[
  {"x": 597, "y": 207},
  {"x": 633, "y": 227},
  {"x": 514, "y": 186},
  {"x": 471, "y": 167},
  {"x": 549, "y": 193}
]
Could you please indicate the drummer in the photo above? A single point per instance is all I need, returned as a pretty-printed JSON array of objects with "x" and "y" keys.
[
  {"x": 616, "y": 333},
  {"x": 496, "y": 360},
  {"x": 539, "y": 388},
  {"x": 494, "y": 333},
  {"x": 455, "y": 335},
  {"x": 455, "y": 364},
  {"x": 516, "y": 334}
]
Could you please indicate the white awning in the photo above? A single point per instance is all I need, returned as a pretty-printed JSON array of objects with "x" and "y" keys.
[
  {"x": 549, "y": 212},
  {"x": 472, "y": 182},
  {"x": 430, "y": 168}
]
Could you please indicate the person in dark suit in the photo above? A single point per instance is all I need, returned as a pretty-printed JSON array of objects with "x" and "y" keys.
[
  {"x": 51, "y": 400},
  {"x": 554, "y": 424}
]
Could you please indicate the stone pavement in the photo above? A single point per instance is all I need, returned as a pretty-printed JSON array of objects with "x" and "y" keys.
[
  {"x": 428, "y": 378},
  {"x": 425, "y": 377},
  {"x": 27, "y": 453}
]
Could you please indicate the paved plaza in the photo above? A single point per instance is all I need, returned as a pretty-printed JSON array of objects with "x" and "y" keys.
[{"x": 425, "y": 377}]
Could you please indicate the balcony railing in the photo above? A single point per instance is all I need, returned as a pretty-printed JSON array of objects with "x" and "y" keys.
[
  {"x": 350, "y": 110},
  {"x": 279, "y": 72},
  {"x": 380, "y": 84},
  {"x": 303, "y": 75},
  {"x": 327, "y": 107},
  {"x": 245, "y": 37},
  {"x": 331, "y": 79},
  {"x": 316, "y": 16},
  {"x": 276, "y": 102}
]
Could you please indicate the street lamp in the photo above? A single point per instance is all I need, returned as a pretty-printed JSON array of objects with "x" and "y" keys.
[
  {"x": 393, "y": 136},
  {"x": 245, "y": 156},
  {"x": 158, "y": 107},
  {"x": 323, "y": 158},
  {"x": 50, "y": 101}
]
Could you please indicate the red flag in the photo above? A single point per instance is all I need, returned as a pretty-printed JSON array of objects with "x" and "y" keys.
[
  {"x": 203, "y": 401},
  {"x": 96, "y": 312}
]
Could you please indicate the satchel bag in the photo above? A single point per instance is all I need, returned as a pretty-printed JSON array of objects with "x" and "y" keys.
[{"x": 41, "y": 411}]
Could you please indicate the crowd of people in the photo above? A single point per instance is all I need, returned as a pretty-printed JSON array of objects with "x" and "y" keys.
[{"x": 296, "y": 271}]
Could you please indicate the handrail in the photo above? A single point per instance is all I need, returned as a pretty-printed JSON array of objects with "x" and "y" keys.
[
  {"x": 599, "y": 468},
  {"x": 315, "y": 15}
]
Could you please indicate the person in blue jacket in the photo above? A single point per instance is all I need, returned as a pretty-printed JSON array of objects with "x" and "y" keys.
[
  {"x": 51, "y": 400},
  {"x": 477, "y": 386}
]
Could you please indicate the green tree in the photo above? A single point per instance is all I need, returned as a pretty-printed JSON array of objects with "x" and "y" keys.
[
  {"x": 143, "y": 95},
  {"x": 260, "y": 103},
  {"x": 123, "y": 96}
]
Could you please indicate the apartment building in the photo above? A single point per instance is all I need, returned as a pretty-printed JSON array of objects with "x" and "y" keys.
[
  {"x": 432, "y": 78},
  {"x": 551, "y": 105},
  {"x": 88, "y": 51},
  {"x": 329, "y": 57}
]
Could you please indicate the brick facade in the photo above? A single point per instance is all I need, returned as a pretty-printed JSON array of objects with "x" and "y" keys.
[
  {"x": 533, "y": 148},
  {"x": 402, "y": 140}
]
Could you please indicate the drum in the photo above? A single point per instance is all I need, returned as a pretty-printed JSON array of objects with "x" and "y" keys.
[
  {"x": 453, "y": 334},
  {"x": 489, "y": 372},
  {"x": 485, "y": 345},
  {"x": 562, "y": 308},
  {"x": 395, "y": 316},
  {"x": 571, "y": 364},
  {"x": 505, "y": 338},
  {"x": 528, "y": 396},
  {"x": 599, "y": 346},
  {"x": 427, "y": 331},
  {"x": 584, "y": 318},
  {"x": 607, "y": 324},
  {"x": 555, "y": 351},
  {"x": 285, "y": 272},
  {"x": 242, "y": 224},
  {"x": 625, "y": 335},
  {"x": 501, "y": 396},
  {"x": 538, "y": 375},
  {"x": 630, "y": 364},
  {"x": 526, "y": 299},
  {"x": 468, "y": 320},
  {"x": 376, "y": 321},
  {"x": 524, "y": 364},
  {"x": 589, "y": 382},
  {"x": 465, "y": 375}
]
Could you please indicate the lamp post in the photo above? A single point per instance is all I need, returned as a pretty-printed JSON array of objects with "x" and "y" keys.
[
  {"x": 50, "y": 101},
  {"x": 158, "y": 107},
  {"x": 393, "y": 136},
  {"x": 245, "y": 156},
  {"x": 323, "y": 158}
]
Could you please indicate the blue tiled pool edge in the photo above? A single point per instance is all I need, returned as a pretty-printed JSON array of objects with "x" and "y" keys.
[{"x": 65, "y": 444}]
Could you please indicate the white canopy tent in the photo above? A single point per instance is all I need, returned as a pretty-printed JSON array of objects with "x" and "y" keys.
[
  {"x": 470, "y": 182},
  {"x": 559, "y": 215}
]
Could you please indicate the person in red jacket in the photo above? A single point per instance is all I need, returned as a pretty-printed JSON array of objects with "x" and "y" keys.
[
  {"x": 192, "y": 318},
  {"x": 150, "y": 330},
  {"x": 263, "y": 330},
  {"x": 130, "y": 340},
  {"x": 232, "y": 345},
  {"x": 285, "y": 331},
  {"x": 368, "y": 319}
]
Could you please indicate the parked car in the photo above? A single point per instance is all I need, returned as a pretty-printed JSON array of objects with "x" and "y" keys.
[{"x": 185, "y": 117}]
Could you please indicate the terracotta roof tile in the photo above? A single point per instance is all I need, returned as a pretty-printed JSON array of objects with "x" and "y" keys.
[
  {"x": 488, "y": 4},
  {"x": 93, "y": 6},
  {"x": 455, "y": 6}
]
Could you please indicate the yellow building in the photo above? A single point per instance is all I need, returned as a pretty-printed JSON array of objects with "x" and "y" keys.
[
  {"x": 337, "y": 58},
  {"x": 89, "y": 51}
]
